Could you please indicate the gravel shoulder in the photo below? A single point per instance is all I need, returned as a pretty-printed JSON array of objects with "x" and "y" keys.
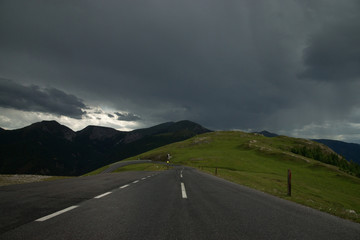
[{"x": 7, "y": 179}]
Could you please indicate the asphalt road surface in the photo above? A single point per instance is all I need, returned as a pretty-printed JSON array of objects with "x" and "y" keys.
[{"x": 180, "y": 203}]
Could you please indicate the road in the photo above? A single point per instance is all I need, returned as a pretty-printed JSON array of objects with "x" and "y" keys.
[{"x": 181, "y": 203}]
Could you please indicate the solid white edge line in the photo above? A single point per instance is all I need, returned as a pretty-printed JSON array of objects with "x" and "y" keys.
[
  {"x": 183, "y": 191},
  {"x": 124, "y": 186},
  {"x": 136, "y": 181},
  {"x": 102, "y": 195},
  {"x": 55, "y": 214}
]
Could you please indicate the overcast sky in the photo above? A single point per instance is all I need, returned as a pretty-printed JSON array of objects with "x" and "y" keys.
[{"x": 287, "y": 66}]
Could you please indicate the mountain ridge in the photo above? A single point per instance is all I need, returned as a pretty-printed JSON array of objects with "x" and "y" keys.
[
  {"x": 50, "y": 148},
  {"x": 351, "y": 151},
  {"x": 267, "y": 133}
]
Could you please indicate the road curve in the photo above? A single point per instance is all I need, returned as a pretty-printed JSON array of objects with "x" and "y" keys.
[
  {"x": 116, "y": 165},
  {"x": 182, "y": 203}
]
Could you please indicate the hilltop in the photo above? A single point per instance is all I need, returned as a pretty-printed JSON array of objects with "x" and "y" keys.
[
  {"x": 49, "y": 148},
  {"x": 350, "y": 151},
  {"x": 262, "y": 163}
]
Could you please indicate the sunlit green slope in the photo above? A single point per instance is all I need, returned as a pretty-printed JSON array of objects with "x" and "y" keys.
[{"x": 262, "y": 163}]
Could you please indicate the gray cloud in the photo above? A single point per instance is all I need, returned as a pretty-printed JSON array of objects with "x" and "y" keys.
[
  {"x": 98, "y": 112},
  {"x": 34, "y": 98},
  {"x": 127, "y": 116},
  {"x": 233, "y": 64},
  {"x": 333, "y": 53}
]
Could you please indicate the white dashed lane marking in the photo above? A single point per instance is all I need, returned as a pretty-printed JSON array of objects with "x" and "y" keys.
[
  {"x": 56, "y": 214},
  {"x": 102, "y": 195},
  {"x": 73, "y": 207},
  {"x": 183, "y": 191}
]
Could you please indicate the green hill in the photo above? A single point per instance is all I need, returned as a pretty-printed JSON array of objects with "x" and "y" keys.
[{"x": 262, "y": 163}]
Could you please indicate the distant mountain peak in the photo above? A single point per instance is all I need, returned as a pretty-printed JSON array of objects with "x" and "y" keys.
[
  {"x": 190, "y": 126},
  {"x": 187, "y": 122},
  {"x": 50, "y": 123},
  {"x": 98, "y": 132},
  {"x": 173, "y": 127},
  {"x": 267, "y": 134},
  {"x": 53, "y": 128}
]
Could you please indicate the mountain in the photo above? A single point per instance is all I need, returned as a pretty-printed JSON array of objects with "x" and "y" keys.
[
  {"x": 351, "y": 151},
  {"x": 50, "y": 148},
  {"x": 42, "y": 148},
  {"x": 98, "y": 133},
  {"x": 267, "y": 134},
  {"x": 143, "y": 140},
  {"x": 49, "y": 128}
]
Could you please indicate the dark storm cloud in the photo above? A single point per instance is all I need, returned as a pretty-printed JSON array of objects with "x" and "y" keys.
[
  {"x": 225, "y": 64},
  {"x": 334, "y": 51},
  {"x": 36, "y": 99},
  {"x": 127, "y": 116}
]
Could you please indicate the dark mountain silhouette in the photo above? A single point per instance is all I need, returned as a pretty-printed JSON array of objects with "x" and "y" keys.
[
  {"x": 351, "y": 151},
  {"x": 267, "y": 134},
  {"x": 50, "y": 148}
]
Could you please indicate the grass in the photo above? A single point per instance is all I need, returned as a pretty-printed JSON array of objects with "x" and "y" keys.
[
  {"x": 97, "y": 171},
  {"x": 143, "y": 167},
  {"x": 262, "y": 163},
  {"x": 132, "y": 167}
]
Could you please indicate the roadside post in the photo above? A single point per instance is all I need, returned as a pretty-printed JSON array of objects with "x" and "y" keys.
[
  {"x": 168, "y": 160},
  {"x": 216, "y": 171},
  {"x": 289, "y": 182}
]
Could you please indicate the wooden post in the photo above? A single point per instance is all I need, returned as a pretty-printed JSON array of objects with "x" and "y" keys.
[
  {"x": 289, "y": 182},
  {"x": 216, "y": 171}
]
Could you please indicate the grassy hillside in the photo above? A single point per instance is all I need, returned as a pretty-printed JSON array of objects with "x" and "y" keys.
[
  {"x": 143, "y": 167},
  {"x": 262, "y": 163}
]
